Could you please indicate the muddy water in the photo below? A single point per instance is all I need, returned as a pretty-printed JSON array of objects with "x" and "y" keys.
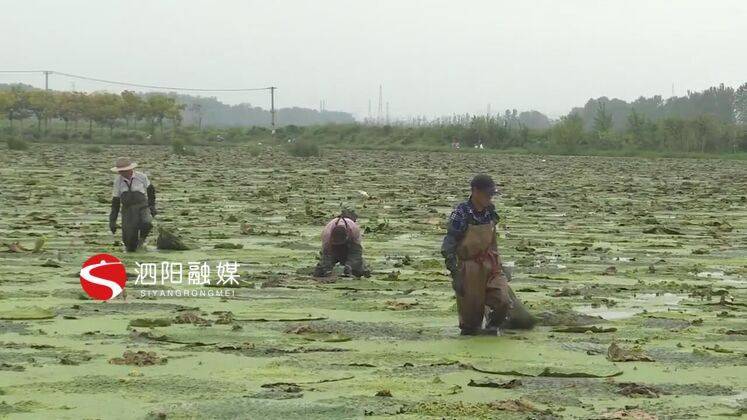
[
  {"x": 292, "y": 347},
  {"x": 640, "y": 303}
]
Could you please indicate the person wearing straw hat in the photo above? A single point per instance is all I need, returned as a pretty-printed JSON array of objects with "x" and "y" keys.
[
  {"x": 341, "y": 243},
  {"x": 136, "y": 197}
]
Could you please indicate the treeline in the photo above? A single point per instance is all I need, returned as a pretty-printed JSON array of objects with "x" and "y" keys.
[
  {"x": 707, "y": 122},
  {"x": 723, "y": 103},
  {"x": 510, "y": 118},
  {"x": 210, "y": 112},
  {"x": 128, "y": 109},
  {"x": 710, "y": 122},
  {"x": 137, "y": 111},
  {"x": 702, "y": 134}
]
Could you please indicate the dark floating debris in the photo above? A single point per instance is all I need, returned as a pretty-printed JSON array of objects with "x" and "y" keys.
[
  {"x": 191, "y": 317},
  {"x": 580, "y": 329},
  {"x": 545, "y": 373},
  {"x": 150, "y": 322},
  {"x": 168, "y": 239},
  {"x": 616, "y": 353},
  {"x": 662, "y": 230},
  {"x": 633, "y": 390},
  {"x": 228, "y": 245},
  {"x": 139, "y": 358},
  {"x": 487, "y": 383}
]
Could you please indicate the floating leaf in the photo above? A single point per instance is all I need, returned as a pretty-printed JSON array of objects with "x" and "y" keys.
[
  {"x": 616, "y": 353},
  {"x": 31, "y": 312}
]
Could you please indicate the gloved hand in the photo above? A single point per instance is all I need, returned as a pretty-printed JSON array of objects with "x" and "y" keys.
[
  {"x": 113, "y": 226},
  {"x": 153, "y": 211},
  {"x": 457, "y": 282}
]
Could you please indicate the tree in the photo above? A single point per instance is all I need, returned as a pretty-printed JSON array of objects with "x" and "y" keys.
[
  {"x": 15, "y": 105},
  {"x": 41, "y": 103},
  {"x": 740, "y": 105},
  {"x": 174, "y": 114},
  {"x": 568, "y": 134},
  {"x": 602, "y": 119},
  {"x": 196, "y": 109},
  {"x": 651, "y": 108},
  {"x": 534, "y": 120},
  {"x": 707, "y": 132},
  {"x": 640, "y": 130},
  {"x": 71, "y": 107},
  {"x": 674, "y": 134},
  {"x": 6, "y": 104},
  {"x": 106, "y": 109},
  {"x": 131, "y": 106},
  {"x": 158, "y": 107}
]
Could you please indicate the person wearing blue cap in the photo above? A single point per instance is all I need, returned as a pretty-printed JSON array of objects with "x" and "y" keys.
[{"x": 471, "y": 254}]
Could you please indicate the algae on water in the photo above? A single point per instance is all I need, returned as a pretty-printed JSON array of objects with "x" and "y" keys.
[{"x": 284, "y": 345}]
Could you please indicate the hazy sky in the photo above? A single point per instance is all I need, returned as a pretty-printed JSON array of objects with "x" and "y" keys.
[{"x": 432, "y": 57}]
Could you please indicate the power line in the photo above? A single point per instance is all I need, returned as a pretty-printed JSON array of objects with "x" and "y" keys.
[
  {"x": 76, "y": 76},
  {"x": 46, "y": 73},
  {"x": 22, "y": 71},
  {"x": 114, "y": 82}
]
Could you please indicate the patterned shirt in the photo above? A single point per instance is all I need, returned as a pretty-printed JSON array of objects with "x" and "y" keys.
[
  {"x": 465, "y": 211},
  {"x": 463, "y": 215}
]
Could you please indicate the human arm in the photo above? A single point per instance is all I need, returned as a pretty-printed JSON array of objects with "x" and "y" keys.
[
  {"x": 455, "y": 229},
  {"x": 113, "y": 214}
]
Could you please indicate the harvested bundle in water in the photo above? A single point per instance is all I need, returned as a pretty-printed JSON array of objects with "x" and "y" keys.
[
  {"x": 519, "y": 317},
  {"x": 168, "y": 239}
]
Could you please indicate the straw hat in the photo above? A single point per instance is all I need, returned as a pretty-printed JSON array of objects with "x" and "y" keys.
[{"x": 123, "y": 164}]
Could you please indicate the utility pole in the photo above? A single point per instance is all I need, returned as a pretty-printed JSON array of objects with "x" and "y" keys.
[
  {"x": 387, "y": 112},
  {"x": 46, "y": 79},
  {"x": 378, "y": 117},
  {"x": 272, "y": 107}
]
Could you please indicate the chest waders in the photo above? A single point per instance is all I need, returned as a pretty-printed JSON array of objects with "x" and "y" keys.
[
  {"x": 483, "y": 281},
  {"x": 136, "y": 219}
]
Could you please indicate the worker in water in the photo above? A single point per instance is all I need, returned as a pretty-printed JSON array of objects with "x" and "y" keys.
[
  {"x": 342, "y": 243},
  {"x": 136, "y": 197},
  {"x": 472, "y": 257}
]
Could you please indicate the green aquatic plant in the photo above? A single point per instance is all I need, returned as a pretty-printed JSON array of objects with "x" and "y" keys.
[
  {"x": 180, "y": 148},
  {"x": 304, "y": 148},
  {"x": 571, "y": 218},
  {"x": 15, "y": 143}
]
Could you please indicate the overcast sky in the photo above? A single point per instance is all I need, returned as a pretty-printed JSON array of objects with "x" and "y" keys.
[{"x": 432, "y": 57}]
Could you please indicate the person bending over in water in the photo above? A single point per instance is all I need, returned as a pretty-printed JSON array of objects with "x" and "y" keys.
[{"x": 342, "y": 243}]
